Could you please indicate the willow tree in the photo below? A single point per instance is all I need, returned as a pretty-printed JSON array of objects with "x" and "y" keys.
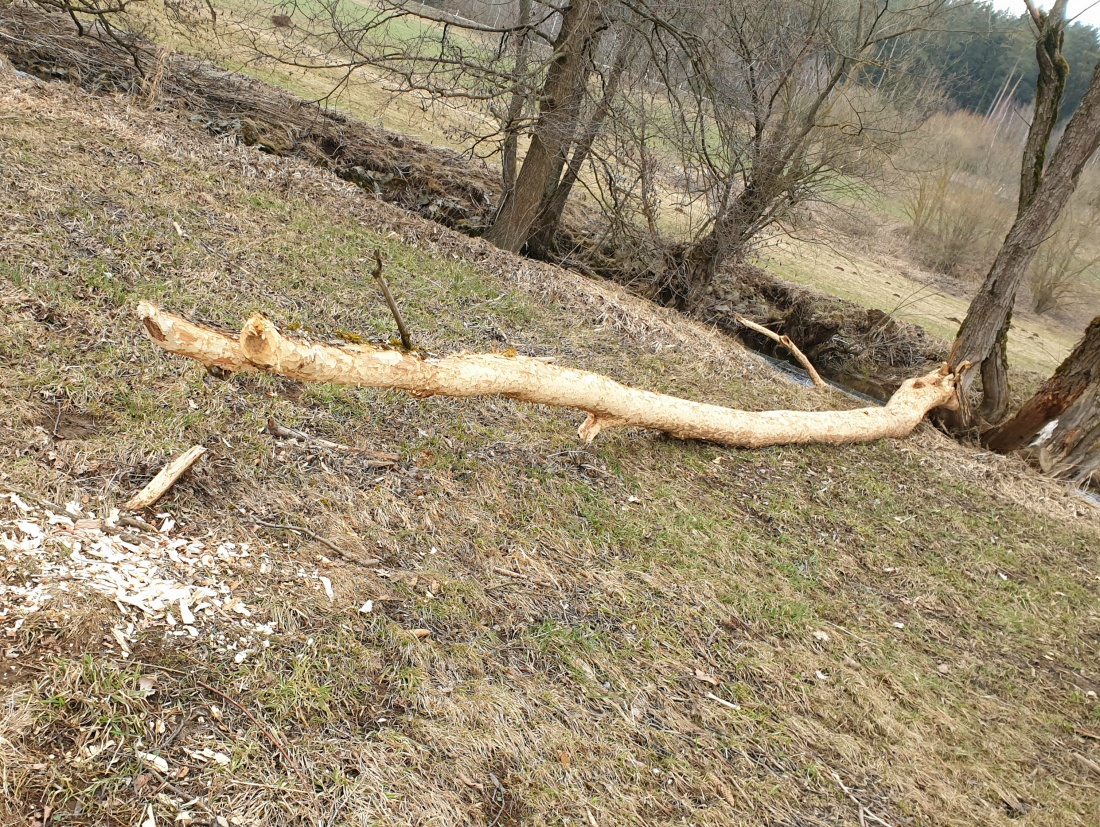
[
  {"x": 1045, "y": 189},
  {"x": 771, "y": 105},
  {"x": 1063, "y": 418},
  {"x": 531, "y": 74}
]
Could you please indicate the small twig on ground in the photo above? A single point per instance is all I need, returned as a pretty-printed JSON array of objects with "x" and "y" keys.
[
  {"x": 274, "y": 739},
  {"x": 171, "y": 739},
  {"x": 187, "y": 798},
  {"x": 347, "y": 555},
  {"x": 271, "y": 736},
  {"x": 748, "y": 628},
  {"x": 815, "y": 377},
  {"x": 863, "y": 811},
  {"x": 383, "y": 459},
  {"x": 724, "y": 702},
  {"x": 518, "y": 576},
  {"x": 138, "y": 523},
  {"x": 273, "y": 787},
  {"x": 406, "y": 340},
  {"x": 848, "y": 632},
  {"x": 1087, "y": 763}
]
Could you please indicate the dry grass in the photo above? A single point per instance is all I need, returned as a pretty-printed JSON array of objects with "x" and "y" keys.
[
  {"x": 875, "y": 278},
  {"x": 958, "y": 612}
]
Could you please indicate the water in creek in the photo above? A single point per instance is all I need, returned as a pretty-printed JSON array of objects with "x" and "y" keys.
[{"x": 797, "y": 375}]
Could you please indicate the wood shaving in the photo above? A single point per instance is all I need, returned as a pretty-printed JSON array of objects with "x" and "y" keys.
[{"x": 47, "y": 557}]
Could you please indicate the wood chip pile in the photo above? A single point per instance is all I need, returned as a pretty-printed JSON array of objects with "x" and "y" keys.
[{"x": 152, "y": 577}]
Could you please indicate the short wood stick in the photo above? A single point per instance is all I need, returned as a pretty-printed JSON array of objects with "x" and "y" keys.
[
  {"x": 406, "y": 339},
  {"x": 164, "y": 480}
]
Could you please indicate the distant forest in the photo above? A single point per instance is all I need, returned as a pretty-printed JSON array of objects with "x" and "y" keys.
[
  {"x": 980, "y": 53},
  {"x": 976, "y": 53}
]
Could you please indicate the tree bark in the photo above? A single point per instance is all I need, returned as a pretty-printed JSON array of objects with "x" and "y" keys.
[
  {"x": 559, "y": 113},
  {"x": 1043, "y": 195},
  {"x": 995, "y": 390},
  {"x": 544, "y": 229},
  {"x": 1079, "y": 372},
  {"x": 607, "y": 403},
  {"x": 1073, "y": 450},
  {"x": 509, "y": 153},
  {"x": 1049, "y": 88}
]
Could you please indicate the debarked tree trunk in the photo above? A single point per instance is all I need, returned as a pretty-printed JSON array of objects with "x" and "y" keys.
[{"x": 260, "y": 347}]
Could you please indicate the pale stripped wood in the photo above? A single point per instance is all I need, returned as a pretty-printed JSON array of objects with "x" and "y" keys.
[
  {"x": 784, "y": 340},
  {"x": 165, "y": 479},
  {"x": 607, "y": 402}
]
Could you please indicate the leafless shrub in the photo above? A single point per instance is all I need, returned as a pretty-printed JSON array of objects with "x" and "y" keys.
[
  {"x": 954, "y": 226},
  {"x": 1056, "y": 273}
]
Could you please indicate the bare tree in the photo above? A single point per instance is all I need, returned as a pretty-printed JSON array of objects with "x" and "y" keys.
[
  {"x": 518, "y": 100},
  {"x": 765, "y": 106},
  {"x": 557, "y": 131},
  {"x": 1061, "y": 261},
  {"x": 1045, "y": 189},
  {"x": 108, "y": 21},
  {"x": 528, "y": 77}
]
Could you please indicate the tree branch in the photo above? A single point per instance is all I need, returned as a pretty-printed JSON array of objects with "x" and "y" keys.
[{"x": 607, "y": 403}]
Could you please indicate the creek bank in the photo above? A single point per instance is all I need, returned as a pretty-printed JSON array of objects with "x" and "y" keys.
[
  {"x": 859, "y": 349},
  {"x": 436, "y": 183}
]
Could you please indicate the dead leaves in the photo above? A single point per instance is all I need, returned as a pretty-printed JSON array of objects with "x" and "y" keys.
[{"x": 705, "y": 678}]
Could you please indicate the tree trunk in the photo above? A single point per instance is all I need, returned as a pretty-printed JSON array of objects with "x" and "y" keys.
[
  {"x": 607, "y": 403},
  {"x": 1049, "y": 88},
  {"x": 1073, "y": 450},
  {"x": 1079, "y": 372},
  {"x": 545, "y": 227},
  {"x": 733, "y": 229},
  {"x": 995, "y": 390},
  {"x": 1043, "y": 196},
  {"x": 509, "y": 153},
  {"x": 559, "y": 112}
]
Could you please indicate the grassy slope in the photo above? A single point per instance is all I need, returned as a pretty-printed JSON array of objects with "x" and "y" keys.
[
  {"x": 967, "y": 591},
  {"x": 244, "y": 26}
]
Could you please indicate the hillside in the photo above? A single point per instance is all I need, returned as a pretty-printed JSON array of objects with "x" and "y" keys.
[{"x": 505, "y": 626}]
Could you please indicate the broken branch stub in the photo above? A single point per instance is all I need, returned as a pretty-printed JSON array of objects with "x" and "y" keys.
[
  {"x": 786, "y": 342},
  {"x": 607, "y": 402}
]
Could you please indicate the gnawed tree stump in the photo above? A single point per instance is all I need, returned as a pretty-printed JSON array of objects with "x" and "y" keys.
[
  {"x": 1068, "y": 407},
  {"x": 260, "y": 347}
]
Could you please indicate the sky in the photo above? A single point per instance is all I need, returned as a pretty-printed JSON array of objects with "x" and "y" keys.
[{"x": 1089, "y": 16}]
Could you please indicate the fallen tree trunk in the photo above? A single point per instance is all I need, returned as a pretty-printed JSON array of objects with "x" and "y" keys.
[{"x": 261, "y": 347}]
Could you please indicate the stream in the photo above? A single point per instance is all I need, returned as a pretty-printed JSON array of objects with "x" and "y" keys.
[{"x": 796, "y": 374}]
